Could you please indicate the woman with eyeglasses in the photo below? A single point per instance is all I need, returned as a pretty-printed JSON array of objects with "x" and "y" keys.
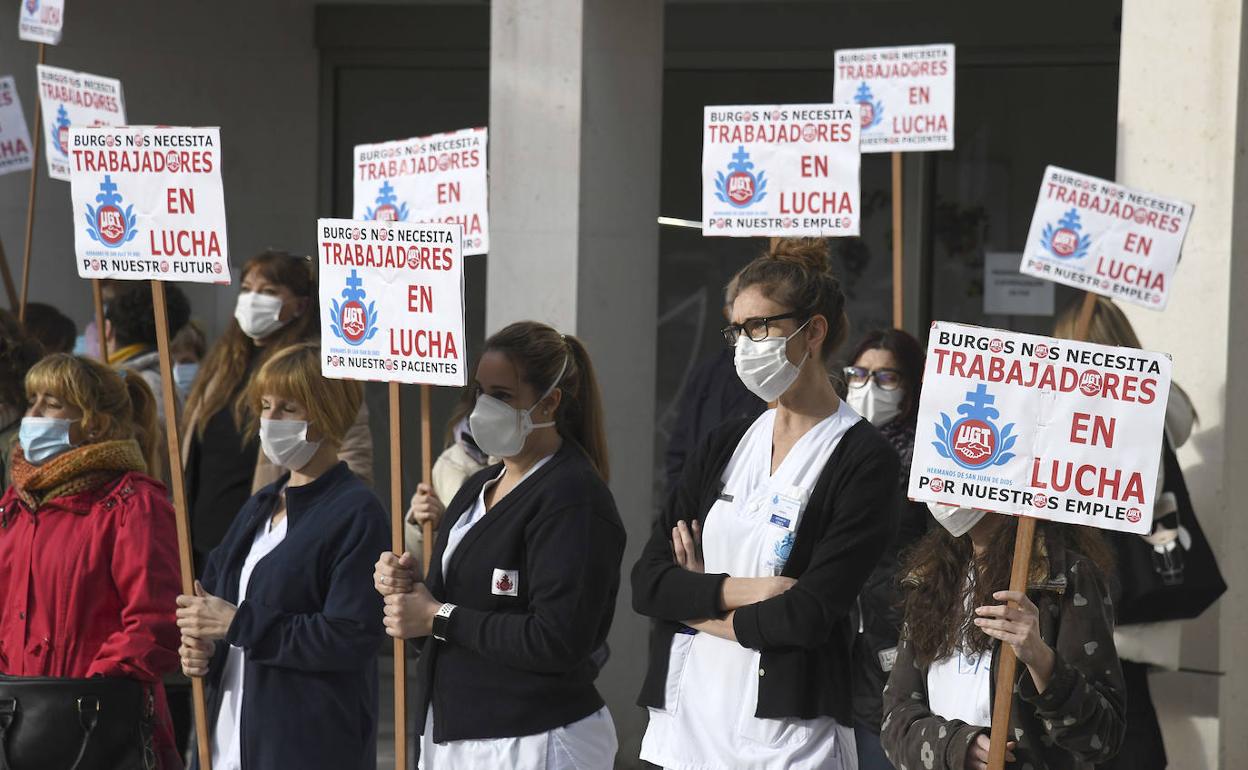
[
  {"x": 883, "y": 386},
  {"x": 753, "y": 569}
]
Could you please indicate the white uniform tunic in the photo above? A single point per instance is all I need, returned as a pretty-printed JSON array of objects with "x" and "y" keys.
[
  {"x": 960, "y": 687},
  {"x": 588, "y": 744},
  {"x": 712, "y": 683}
]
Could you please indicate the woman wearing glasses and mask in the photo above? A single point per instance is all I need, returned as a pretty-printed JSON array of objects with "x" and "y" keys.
[
  {"x": 515, "y": 610},
  {"x": 753, "y": 568}
]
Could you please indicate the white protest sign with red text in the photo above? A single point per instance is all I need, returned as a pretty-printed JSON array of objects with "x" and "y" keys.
[
  {"x": 1105, "y": 238},
  {"x": 71, "y": 99},
  {"x": 1054, "y": 429},
  {"x": 392, "y": 301},
  {"x": 148, "y": 204},
  {"x": 14, "y": 138},
  {"x": 780, "y": 170},
  {"x": 904, "y": 95},
  {"x": 41, "y": 21},
  {"x": 438, "y": 178}
]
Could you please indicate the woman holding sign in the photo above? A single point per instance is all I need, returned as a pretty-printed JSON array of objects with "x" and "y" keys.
[
  {"x": 521, "y": 593},
  {"x": 1068, "y": 702},
  {"x": 284, "y": 620},
  {"x": 753, "y": 569}
]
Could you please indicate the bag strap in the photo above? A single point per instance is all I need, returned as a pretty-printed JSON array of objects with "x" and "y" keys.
[
  {"x": 8, "y": 708},
  {"x": 88, "y": 717}
]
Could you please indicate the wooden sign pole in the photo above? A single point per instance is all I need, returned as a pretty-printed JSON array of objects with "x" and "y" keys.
[
  {"x": 30, "y": 205},
  {"x": 426, "y": 467},
  {"x": 396, "y": 543},
  {"x": 10, "y": 288},
  {"x": 897, "y": 239},
  {"x": 97, "y": 295},
  {"x": 1023, "y": 541},
  {"x": 178, "y": 485}
]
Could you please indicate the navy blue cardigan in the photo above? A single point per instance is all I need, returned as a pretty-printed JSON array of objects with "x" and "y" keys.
[{"x": 310, "y": 626}]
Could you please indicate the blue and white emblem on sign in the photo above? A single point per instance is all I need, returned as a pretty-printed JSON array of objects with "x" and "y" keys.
[
  {"x": 108, "y": 224},
  {"x": 32, "y": 6},
  {"x": 60, "y": 131},
  {"x": 352, "y": 322},
  {"x": 388, "y": 207},
  {"x": 1065, "y": 241},
  {"x": 974, "y": 441},
  {"x": 740, "y": 187},
  {"x": 870, "y": 111}
]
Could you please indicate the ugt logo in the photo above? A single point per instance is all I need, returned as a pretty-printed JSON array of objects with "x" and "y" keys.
[
  {"x": 108, "y": 224},
  {"x": 351, "y": 322},
  {"x": 1065, "y": 241},
  {"x": 60, "y": 131},
  {"x": 741, "y": 187},
  {"x": 870, "y": 112},
  {"x": 387, "y": 210},
  {"x": 974, "y": 441}
]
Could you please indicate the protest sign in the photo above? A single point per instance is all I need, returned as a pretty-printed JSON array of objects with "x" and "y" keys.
[
  {"x": 1028, "y": 425},
  {"x": 40, "y": 21},
  {"x": 1007, "y": 292},
  {"x": 69, "y": 99},
  {"x": 392, "y": 306},
  {"x": 1105, "y": 238},
  {"x": 148, "y": 203},
  {"x": 438, "y": 178},
  {"x": 904, "y": 95},
  {"x": 781, "y": 170},
  {"x": 14, "y": 138}
]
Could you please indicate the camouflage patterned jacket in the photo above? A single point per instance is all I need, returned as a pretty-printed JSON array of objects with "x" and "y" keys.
[{"x": 1079, "y": 719}]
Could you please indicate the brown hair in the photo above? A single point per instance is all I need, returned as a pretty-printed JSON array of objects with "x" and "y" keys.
[
  {"x": 294, "y": 373},
  {"x": 1109, "y": 325},
  {"x": 114, "y": 406},
  {"x": 18, "y": 352},
  {"x": 539, "y": 353},
  {"x": 796, "y": 273},
  {"x": 227, "y": 362},
  {"x": 939, "y": 618},
  {"x": 463, "y": 407}
]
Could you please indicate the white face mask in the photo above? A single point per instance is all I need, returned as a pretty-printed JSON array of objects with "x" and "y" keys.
[
  {"x": 876, "y": 405},
  {"x": 257, "y": 314},
  {"x": 958, "y": 521},
  {"x": 764, "y": 367},
  {"x": 285, "y": 443},
  {"x": 500, "y": 430}
]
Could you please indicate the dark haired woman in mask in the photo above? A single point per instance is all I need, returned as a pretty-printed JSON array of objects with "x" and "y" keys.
[
  {"x": 521, "y": 592},
  {"x": 753, "y": 569}
]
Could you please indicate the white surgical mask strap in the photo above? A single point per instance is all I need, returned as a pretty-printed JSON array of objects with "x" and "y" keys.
[{"x": 558, "y": 378}]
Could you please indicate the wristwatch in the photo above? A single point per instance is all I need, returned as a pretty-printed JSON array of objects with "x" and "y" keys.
[{"x": 441, "y": 620}]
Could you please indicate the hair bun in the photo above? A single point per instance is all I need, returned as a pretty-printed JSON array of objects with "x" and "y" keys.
[{"x": 813, "y": 254}]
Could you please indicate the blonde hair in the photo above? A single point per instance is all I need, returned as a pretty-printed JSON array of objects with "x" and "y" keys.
[
  {"x": 114, "y": 406},
  {"x": 1109, "y": 325},
  {"x": 295, "y": 374}
]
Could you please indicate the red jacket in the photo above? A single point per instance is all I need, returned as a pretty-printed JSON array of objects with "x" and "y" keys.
[{"x": 89, "y": 588}]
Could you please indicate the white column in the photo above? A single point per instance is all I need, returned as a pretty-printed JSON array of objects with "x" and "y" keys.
[
  {"x": 1181, "y": 91},
  {"x": 575, "y": 108}
]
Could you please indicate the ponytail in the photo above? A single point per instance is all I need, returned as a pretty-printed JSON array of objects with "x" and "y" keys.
[
  {"x": 146, "y": 429},
  {"x": 546, "y": 358}
]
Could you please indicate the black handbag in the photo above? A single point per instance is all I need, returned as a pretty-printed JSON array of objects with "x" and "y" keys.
[
  {"x": 1177, "y": 581},
  {"x": 103, "y": 723}
]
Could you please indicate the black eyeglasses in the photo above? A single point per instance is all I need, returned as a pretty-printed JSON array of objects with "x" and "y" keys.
[
  {"x": 757, "y": 329},
  {"x": 887, "y": 379}
]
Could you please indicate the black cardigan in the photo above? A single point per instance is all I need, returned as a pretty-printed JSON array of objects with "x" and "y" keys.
[
  {"x": 804, "y": 635},
  {"x": 524, "y": 664}
]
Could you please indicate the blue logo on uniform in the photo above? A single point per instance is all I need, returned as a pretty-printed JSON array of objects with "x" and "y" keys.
[
  {"x": 974, "y": 441},
  {"x": 870, "y": 112},
  {"x": 60, "y": 131},
  {"x": 32, "y": 6},
  {"x": 1065, "y": 241},
  {"x": 108, "y": 224},
  {"x": 388, "y": 208},
  {"x": 352, "y": 322},
  {"x": 783, "y": 547},
  {"x": 741, "y": 187}
]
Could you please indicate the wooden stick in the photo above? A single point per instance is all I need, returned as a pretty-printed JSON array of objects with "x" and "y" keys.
[
  {"x": 1008, "y": 664},
  {"x": 897, "y": 238},
  {"x": 30, "y": 204},
  {"x": 97, "y": 295},
  {"x": 426, "y": 467},
  {"x": 9, "y": 287},
  {"x": 178, "y": 484},
  {"x": 396, "y": 543}
]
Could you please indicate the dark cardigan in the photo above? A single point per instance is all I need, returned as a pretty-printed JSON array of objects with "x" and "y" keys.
[
  {"x": 804, "y": 635},
  {"x": 519, "y": 657}
]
